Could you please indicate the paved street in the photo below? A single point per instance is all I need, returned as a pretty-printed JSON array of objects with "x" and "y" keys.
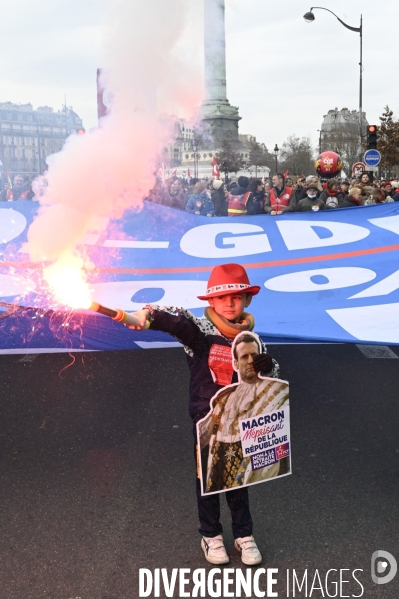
[{"x": 97, "y": 471}]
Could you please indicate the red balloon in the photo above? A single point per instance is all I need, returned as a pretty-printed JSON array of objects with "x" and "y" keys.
[{"x": 328, "y": 164}]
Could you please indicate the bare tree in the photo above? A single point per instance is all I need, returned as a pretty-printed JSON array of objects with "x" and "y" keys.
[
  {"x": 259, "y": 156},
  {"x": 388, "y": 142},
  {"x": 297, "y": 156},
  {"x": 229, "y": 160}
]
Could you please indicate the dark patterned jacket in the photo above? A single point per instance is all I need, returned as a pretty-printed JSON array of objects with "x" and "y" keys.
[{"x": 208, "y": 354}]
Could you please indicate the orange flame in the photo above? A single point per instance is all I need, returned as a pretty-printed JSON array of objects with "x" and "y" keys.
[{"x": 67, "y": 280}]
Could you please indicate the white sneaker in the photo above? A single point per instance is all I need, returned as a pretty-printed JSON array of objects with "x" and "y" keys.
[
  {"x": 214, "y": 550},
  {"x": 250, "y": 554}
]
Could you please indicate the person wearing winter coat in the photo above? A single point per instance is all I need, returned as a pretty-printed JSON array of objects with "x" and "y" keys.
[
  {"x": 207, "y": 342},
  {"x": 299, "y": 190},
  {"x": 366, "y": 187},
  {"x": 218, "y": 197},
  {"x": 304, "y": 191},
  {"x": 353, "y": 198},
  {"x": 331, "y": 196},
  {"x": 199, "y": 202},
  {"x": 343, "y": 188},
  {"x": 281, "y": 198},
  {"x": 311, "y": 203},
  {"x": 177, "y": 197},
  {"x": 240, "y": 199},
  {"x": 395, "y": 187},
  {"x": 388, "y": 190},
  {"x": 258, "y": 197},
  {"x": 377, "y": 197}
]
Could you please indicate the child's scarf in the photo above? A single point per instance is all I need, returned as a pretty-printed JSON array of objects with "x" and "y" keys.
[{"x": 227, "y": 328}]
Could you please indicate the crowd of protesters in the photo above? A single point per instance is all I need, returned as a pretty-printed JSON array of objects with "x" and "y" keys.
[{"x": 249, "y": 196}]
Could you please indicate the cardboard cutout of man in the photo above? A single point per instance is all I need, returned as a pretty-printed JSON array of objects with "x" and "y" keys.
[{"x": 223, "y": 465}]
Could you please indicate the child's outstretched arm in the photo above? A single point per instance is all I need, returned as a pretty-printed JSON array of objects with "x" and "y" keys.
[{"x": 178, "y": 322}]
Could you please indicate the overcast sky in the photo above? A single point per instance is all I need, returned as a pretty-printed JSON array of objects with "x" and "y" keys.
[{"x": 283, "y": 73}]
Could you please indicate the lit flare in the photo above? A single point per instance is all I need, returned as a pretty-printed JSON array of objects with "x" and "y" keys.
[{"x": 67, "y": 281}]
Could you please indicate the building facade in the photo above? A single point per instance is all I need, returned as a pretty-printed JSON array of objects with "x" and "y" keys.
[
  {"x": 181, "y": 154},
  {"x": 174, "y": 152},
  {"x": 340, "y": 132},
  {"x": 28, "y": 136},
  {"x": 341, "y": 125}
]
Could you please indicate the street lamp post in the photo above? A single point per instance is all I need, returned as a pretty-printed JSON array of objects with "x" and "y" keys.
[
  {"x": 319, "y": 130},
  {"x": 309, "y": 18},
  {"x": 194, "y": 145},
  {"x": 276, "y": 151},
  {"x": 39, "y": 149}
]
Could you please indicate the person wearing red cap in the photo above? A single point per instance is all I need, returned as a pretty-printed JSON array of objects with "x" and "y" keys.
[
  {"x": 388, "y": 190},
  {"x": 207, "y": 342}
]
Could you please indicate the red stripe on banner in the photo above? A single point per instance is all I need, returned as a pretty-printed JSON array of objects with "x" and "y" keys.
[
  {"x": 26, "y": 265},
  {"x": 160, "y": 271}
]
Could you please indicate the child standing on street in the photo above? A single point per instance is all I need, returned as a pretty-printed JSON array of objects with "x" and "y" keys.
[{"x": 207, "y": 342}]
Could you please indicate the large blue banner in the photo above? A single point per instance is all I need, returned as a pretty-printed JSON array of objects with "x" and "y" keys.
[{"x": 327, "y": 276}]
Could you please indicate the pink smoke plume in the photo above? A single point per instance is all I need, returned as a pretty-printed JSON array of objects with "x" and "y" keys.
[{"x": 150, "y": 59}]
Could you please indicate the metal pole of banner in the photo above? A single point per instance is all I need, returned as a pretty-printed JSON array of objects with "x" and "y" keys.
[{"x": 361, "y": 87}]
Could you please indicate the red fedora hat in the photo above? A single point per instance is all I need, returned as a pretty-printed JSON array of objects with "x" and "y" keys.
[{"x": 228, "y": 278}]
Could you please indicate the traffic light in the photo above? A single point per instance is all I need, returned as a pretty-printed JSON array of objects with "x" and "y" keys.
[
  {"x": 372, "y": 137},
  {"x": 81, "y": 131}
]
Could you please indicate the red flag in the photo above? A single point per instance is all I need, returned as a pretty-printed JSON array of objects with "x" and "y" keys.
[
  {"x": 169, "y": 179},
  {"x": 161, "y": 172},
  {"x": 215, "y": 168},
  {"x": 188, "y": 172},
  {"x": 286, "y": 174}
]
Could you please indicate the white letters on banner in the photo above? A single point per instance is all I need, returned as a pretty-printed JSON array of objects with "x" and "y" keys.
[
  {"x": 379, "y": 323},
  {"x": 173, "y": 293},
  {"x": 12, "y": 223},
  {"x": 231, "y": 240},
  {"x": 201, "y": 241},
  {"x": 384, "y": 287},
  {"x": 301, "y": 235},
  {"x": 324, "y": 278},
  {"x": 390, "y": 223}
]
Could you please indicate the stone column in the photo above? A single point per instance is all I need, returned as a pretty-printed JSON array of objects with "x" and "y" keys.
[
  {"x": 219, "y": 118},
  {"x": 215, "y": 51}
]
